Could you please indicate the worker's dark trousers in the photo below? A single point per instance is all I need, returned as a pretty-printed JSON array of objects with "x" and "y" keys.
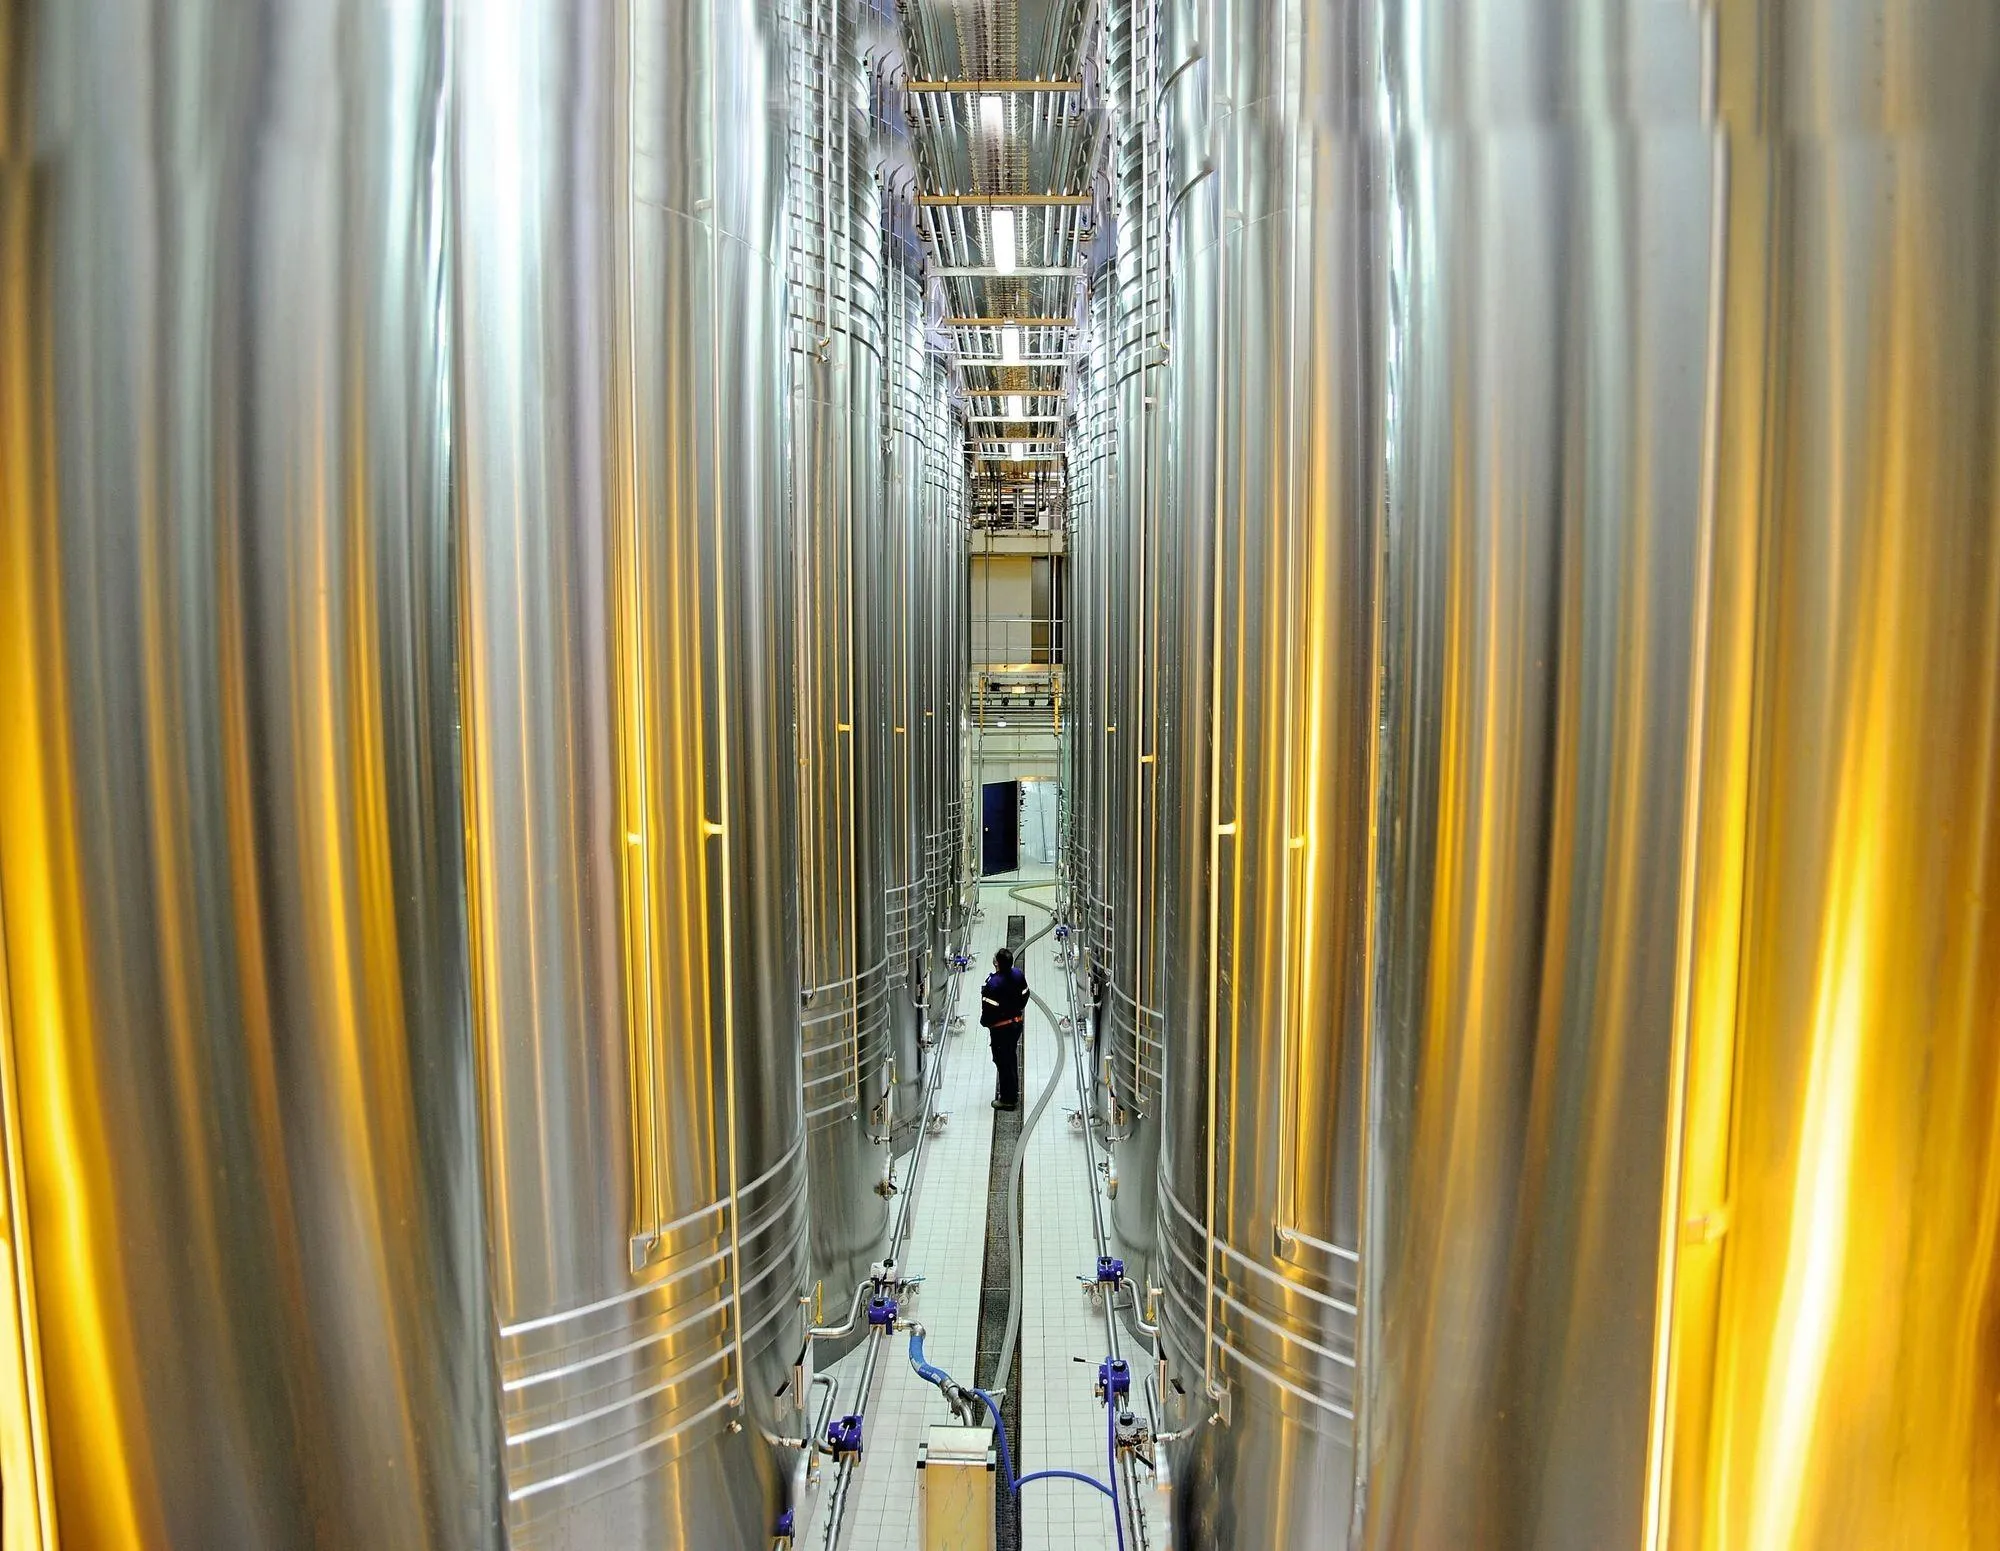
[{"x": 1007, "y": 1063}]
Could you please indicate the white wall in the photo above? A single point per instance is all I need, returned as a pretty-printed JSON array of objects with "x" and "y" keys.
[
  {"x": 1002, "y": 587},
  {"x": 1014, "y": 756}
]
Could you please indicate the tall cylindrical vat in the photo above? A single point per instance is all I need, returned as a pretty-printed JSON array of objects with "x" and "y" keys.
[
  {"x": 1134, "y": 559},
  {"x": 243, "y": 1211},
  {"x": 1835, "y": 1298},
  {"x": 837, "y": 465},
  {"x": 1546, "y": 422},
  {"x": 1090, "y": 528},
  {"x": 627, "y": 641},
  {"x": 1437, "y": 631},
  {"x": 1267, "y": 727},
  {"x": 906, "y": 618},
  {"x": 944, "y": 653}
]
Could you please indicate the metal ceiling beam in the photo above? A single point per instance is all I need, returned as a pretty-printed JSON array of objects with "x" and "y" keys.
[
  {"x": 994, "y": 323},
  {"x": 1015, "y": 420},
  {"x": 994, "y": 86},
  {"x": 981, "y": 201}
]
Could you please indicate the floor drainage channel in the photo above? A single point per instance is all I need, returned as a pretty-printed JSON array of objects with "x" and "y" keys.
[{"x": 995, "y": 1276}]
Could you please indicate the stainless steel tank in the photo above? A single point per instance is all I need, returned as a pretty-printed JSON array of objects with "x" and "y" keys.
[
  {"x": 1440, "y": 330},
  {"x": 1267, "y": 718},
  {"x": 906, "y": 622},
  {"x": 627, "y": 648},
  {"x": 837, "y": 345},
  {"x": 1089, "y": 530},
  {"x": 945, "y": 653},
  {"x": 243, "y": 1221},
  {"x": 1134, "y": 559},
  {"x": 1545, "y": 269},
  {"x": 1831, "y": 1361}
]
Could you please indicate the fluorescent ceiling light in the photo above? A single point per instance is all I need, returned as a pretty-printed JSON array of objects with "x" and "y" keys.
[
  {"x": 1001, "y": 224},
  {"x": 1010, "y": 345},
  {"x": 993, "y": 116},
  {"x": 1016, "y": 406}
]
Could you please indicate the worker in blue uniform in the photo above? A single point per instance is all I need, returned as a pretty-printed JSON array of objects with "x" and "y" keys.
[{"x": 1003, "y": 1010}]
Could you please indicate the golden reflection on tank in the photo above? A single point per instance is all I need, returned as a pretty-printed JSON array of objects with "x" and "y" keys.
[
  {"x": 1585, "y": 692},
  {"x": 1830, "y": 1368},
  {"x": 243, "y": 1208},
  {"x": 1579, "y": 706}
]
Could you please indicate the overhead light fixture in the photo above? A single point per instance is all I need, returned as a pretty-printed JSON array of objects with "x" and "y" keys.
[
  {"x": 1001, "y": 224},
  {"x": 993, "y": 116},
  {"x": 1016, "y": 406},
  {"x": 1010, "y": 345}
]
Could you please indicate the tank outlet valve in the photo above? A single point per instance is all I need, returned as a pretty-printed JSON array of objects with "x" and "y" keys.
[
  {"x": 1114, "y": 1377},
  {"x": 1110, "y": 1269},
  {"x": 882, "y": 1312},
  {"x": 1062, "y": 931},
  {"x": 787, "y": 1527},
  {"x": 844, "y": 1436}
]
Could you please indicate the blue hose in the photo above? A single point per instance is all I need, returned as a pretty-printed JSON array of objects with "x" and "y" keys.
[
  {"x": 924, "y": 1370},
  {"x": 937, "y": 1376},
  {"x": 1071, "y": 1475},
  {"x": 1015, "y": 1483},
  {"x": 1111, "y": 1460},
  {"x": 1006, "y": 1459}
]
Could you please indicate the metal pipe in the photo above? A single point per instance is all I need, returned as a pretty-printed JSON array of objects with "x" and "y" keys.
[{"x": 852, "y": 1322}]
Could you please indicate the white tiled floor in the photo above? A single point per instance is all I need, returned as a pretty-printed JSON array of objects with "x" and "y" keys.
[
  {"x": 1063, "y": 1422},
  {"x": 1060, "y": 1412},
  {"x": 946, "y": 1245}
]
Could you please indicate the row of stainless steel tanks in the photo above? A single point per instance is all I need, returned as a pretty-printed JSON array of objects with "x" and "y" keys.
[
  {"x": 450, "y": 537},
  {"x": 1534, "y": 759}
]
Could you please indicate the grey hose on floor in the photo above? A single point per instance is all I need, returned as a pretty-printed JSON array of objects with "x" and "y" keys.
[{"x": 1013, "y": 1336}]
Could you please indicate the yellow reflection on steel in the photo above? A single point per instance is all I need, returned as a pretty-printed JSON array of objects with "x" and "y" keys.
[
  {"x": 59, "y": 1173},
  {"x": 1831, "y": 1365}
]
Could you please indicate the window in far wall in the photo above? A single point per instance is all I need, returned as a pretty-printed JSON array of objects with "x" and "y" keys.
[{"x": 1038, "y": 822}]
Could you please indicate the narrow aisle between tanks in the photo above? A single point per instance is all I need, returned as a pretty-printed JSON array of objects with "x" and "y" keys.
[
  {"x": 945, "y": 1246},
  {"x": 1062, "y": 1332}
]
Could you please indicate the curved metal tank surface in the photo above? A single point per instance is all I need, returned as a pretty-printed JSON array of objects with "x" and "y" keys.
[
  {"x": 627, "y": 643},
  {"x": 1616, "y": 659},
  {"x": 1545, "y": 333},
  {"x": 1267, "y": 722},
  {"x": 1089, "y": 530},
  {"x": 1454, "y": 270},
  {"x": 946, "y": 656},
  {"x": 239, "y": 1099},
  {"x": 1835, "y": 1301},
  {"x": 906, "y": 617},
  {"x": 837, "y": 344},
  {"x": 1134, "y": 560}
]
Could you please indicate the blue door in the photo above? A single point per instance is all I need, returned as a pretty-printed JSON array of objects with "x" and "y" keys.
[{"x": 1000, "y": 827}]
